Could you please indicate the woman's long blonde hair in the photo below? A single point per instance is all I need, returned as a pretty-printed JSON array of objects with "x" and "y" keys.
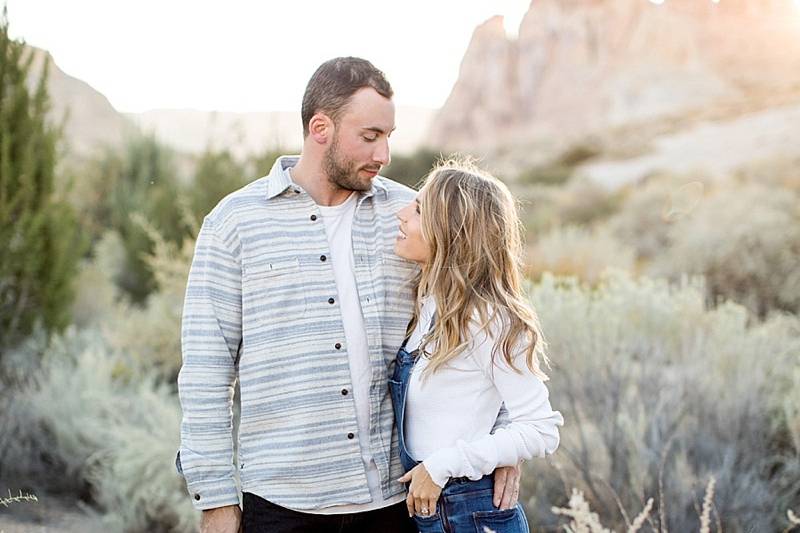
[{"x": 469, "y": 220}]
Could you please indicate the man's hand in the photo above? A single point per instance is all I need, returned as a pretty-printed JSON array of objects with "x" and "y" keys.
[
  {"x": 226, "y": 519},
  {"x": 506, "y": 486}
]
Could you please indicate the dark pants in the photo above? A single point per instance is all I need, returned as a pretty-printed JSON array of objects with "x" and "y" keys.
[{"x": 262, "y": 516}]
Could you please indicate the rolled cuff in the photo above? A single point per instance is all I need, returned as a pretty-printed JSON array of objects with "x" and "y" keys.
[{"x": 214, "y": 493}]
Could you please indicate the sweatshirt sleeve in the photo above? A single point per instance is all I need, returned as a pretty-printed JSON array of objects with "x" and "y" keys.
[{"x": 532, "y": 430}]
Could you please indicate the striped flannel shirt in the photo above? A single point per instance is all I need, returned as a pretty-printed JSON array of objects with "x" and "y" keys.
[{"x": 261, "y": 306}]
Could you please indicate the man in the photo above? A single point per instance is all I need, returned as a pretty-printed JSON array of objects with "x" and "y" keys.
[{"x": 295, "y": 290}]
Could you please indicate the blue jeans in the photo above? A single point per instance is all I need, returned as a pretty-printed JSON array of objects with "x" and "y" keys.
[{"x": 464, "y": 505}]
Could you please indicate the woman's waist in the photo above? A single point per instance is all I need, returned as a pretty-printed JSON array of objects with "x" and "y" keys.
[
  {"x": 427, "y": 433},
  {"x": 460, "y": 484}
]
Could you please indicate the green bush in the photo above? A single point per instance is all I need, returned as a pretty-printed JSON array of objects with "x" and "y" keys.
[
  {"x": 141, "y": 180},
  {"x": 216, "y": 175}
]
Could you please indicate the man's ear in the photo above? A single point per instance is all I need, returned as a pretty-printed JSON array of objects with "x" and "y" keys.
[{"x": 320, "y": 128}]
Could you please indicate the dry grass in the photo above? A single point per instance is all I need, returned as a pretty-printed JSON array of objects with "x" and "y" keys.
[{"x": 6, "y": 501}]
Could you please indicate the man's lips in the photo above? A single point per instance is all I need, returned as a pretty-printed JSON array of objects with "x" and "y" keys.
[{"x": 371, "y": 170}]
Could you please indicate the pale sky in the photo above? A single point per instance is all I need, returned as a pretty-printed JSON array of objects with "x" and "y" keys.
[{"x": 241, "y": 55}]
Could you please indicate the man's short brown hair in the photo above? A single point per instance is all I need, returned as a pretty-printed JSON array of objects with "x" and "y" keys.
[{"x": 335, "y": 81}]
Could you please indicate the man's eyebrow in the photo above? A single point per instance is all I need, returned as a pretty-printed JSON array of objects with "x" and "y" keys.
[{"x": 376, "y": 129}]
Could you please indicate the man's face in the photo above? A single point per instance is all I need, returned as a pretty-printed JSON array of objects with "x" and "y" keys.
[{"x": 360, "y": 144}]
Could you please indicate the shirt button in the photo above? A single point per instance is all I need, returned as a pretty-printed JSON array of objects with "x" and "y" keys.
[
  {"x": 322, "y": 258},
  {"x": 338, "y": 345},
  {"x": 331, "y": 301},
  {"x": 313, "y": 217},
  {"x": 344, "y": 392},
  {"x": 350, "y": 436},
  {"x": 196, "y": 496}
]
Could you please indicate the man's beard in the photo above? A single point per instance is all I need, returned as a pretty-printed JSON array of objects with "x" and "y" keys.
[{"x": 342, "y": 172}]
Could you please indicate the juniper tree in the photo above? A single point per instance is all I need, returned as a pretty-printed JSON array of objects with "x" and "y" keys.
[{"x": 40, "y": 244}]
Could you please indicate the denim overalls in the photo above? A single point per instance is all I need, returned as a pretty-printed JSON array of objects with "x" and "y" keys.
[{"x": 464, "y": 505}]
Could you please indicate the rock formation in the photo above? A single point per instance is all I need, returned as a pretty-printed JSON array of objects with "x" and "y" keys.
[{"x": 584, "y": 66}]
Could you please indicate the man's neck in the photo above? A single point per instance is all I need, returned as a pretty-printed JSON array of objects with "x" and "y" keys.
[{"x": 313, "y": 179}]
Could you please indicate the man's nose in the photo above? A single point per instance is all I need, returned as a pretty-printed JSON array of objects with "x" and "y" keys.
[{"x": 381, "y": 154}]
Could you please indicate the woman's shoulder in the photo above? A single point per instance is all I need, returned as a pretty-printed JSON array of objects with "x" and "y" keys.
[{"x": 488, "y": 340}]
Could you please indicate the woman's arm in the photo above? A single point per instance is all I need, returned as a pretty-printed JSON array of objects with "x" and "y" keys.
[{"x": 532, "y": 431}]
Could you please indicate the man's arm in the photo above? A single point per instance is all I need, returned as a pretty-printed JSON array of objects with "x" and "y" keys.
[
  {"x": 226, "y": 519},
  {"x": 506, "y": 478},
  {"x": 211, "y": 331}
]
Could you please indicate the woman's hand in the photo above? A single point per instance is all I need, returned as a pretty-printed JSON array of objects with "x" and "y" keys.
[{"x": 423, "y": 492}]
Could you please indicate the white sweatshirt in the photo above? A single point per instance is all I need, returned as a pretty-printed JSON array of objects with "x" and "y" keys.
[{"x": 450, "y": 413}]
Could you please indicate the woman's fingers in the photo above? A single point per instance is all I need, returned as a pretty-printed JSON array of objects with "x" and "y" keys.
[
  {"x": 420, "y": 506},
  {"x": 410, "y": 505},
  {"x": 431, "y": 506},
  {"x": 423, "y": 506}
]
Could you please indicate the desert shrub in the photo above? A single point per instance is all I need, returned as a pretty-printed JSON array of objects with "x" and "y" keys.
[
  {"x": 579, "y": 202},
  {"x": 546, "y": 174},
  {"x": 580, "y": 152},
  {"x": 586, "y": 202},
  {"x": 99, "y": 417},
  {"x": 743, "y": 235},
  {"x": 141, "y": 179},
  {"x": 577, "y": 251},
  {"x": 88, "y": 421},
  {"x": 217, "y": 174},
  {"x": 148, "y": 332},
  {"x": 410, "y": 169},
  {"x": 660, "y": 393},
  {"x": 559, "y": 170},
  {"x": 159, "y": 317},
  {"x": 259, "y": 164},
  {"x": 780, "y": 172},
  {"x": 650, "y": 209},
  {"x": 746, "y": 241}
]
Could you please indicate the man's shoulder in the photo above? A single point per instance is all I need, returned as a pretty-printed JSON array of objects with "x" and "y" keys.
[
  {"x": 397, "y": 192},
  {"x": 239, "y": 201}
]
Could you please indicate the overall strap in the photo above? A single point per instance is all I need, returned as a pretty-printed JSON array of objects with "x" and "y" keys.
[{"x": 430, "y": 327}]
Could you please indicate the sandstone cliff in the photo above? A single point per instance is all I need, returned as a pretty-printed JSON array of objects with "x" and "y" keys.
[{"x": 585, "y": 66}]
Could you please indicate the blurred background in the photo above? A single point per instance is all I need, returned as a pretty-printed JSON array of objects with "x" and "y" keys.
[{"x": 654, "y": 147}]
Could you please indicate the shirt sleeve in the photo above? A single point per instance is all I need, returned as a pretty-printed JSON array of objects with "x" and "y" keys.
[
  {"x": 532, "y": 430},
  {"x": 211, "y": 332}
]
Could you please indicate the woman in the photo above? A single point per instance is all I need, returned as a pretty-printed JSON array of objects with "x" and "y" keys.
[{"x": 474, "y": 345}]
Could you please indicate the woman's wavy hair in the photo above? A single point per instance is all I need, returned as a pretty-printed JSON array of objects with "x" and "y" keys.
[{"x": 471, "y": 224}]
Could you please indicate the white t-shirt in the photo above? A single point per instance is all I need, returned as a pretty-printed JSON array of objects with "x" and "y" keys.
[
  {"x": 450, "y": 413},
  {"x": 338, "y": 222}
]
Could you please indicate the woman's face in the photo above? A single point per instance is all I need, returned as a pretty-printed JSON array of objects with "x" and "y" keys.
[{"x": 410, "y": 244}]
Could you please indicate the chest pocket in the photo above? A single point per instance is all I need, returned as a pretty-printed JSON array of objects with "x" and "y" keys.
[{"x": 273, "y": 291}]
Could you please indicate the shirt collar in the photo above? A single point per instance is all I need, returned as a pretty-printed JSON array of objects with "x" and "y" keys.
[{"x": 278, "y": 180}]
